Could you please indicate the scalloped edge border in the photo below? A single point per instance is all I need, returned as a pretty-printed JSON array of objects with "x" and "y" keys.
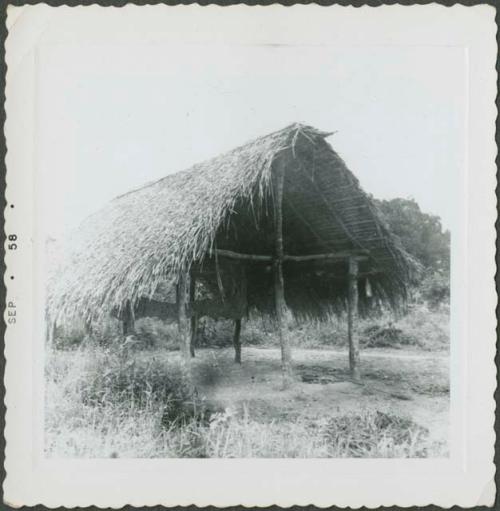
[{"x": 354, "y": 3}]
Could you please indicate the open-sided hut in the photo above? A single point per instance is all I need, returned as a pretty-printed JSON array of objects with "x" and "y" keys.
[{"x": 277, "y": 223}]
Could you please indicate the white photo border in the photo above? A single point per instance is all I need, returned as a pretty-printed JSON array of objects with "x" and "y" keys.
[{"x": 465, "y": 479}]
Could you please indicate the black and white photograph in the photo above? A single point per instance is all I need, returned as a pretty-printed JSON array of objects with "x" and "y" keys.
[
  {"x": 257, "y": 304},
  {"x": 247, "y": 244},
  {"x": 284, "y": 295}
]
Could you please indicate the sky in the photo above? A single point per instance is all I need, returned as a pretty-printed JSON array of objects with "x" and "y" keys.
[{"x": 112, "y": 117}]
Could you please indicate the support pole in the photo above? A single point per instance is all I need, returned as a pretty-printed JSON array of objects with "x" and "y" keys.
[
  {"x": 279, "y": 286},
  {"x": 194, "y": 331},
  {"x": 243, "y": 290},
  {"x": 128, "y": 320},
  {"x": 194, "y": 317},
  {"x": 89, "y": 331},
  {"x": 51, "y": 327},
  {"x": 237, "y": 341},
  {"x": 352, "y": 315},
  {"x": 243, "y": 310},
  {"x": 182, "y": 319}
]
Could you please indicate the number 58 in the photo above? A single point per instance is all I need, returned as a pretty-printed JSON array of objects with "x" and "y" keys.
[{"x": 12, "y": 246}]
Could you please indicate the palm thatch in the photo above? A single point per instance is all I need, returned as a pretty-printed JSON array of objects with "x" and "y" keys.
[{"x": 148, "y": 236}]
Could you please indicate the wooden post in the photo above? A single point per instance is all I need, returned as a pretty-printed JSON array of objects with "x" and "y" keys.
[
  {"x": 51, "y": 327},
  {"x": 243, "y": 290},
  {"x": 352, "y": 314},
  {"x": 236, "y": 341},
  {"x": 182, "y": 319},
  {"x": 242, "y": 306},
  {"x": 89, "y": 331},
  {"x": 194, "y": 317},
  {"x": 128, "y": 319},
  {"x": 194, "y": 332},
  {"x": 279, "y": 287}
]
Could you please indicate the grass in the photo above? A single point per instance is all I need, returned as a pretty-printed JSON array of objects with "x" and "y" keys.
[
  {"x": 421, "y": 329},
  {"x": 110, "y": 402}
]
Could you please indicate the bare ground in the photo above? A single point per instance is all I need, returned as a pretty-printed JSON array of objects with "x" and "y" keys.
[{"x": 399, "y": 382}]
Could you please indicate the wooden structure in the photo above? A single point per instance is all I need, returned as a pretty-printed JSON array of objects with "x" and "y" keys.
[{"x": 277, "y": 224}]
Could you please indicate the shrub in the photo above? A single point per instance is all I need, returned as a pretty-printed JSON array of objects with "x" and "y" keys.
[
  {"x": 114, "y": 379},
  {"x": 319, "y": 334},
  {"x": 155, "y": 333},
  {"x": 379, "y": 336},
  {"x": 259, "y": 331},
  {"x": 214, "y": 333},
  {"x": 102, "y": 333},
  {"x": 69, "y": 337},
  {"x": 435, "y": 289},
  {"x": 303, "y": 334},
  {"x": 376, "y": 434},
  {"x": 106, "y": 332},
  {"x": 429, "y": 327},
  {"x": 419, "y": 326}
]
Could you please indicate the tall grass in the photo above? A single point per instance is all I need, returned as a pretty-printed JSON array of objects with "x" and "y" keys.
[
  {"x": 420, "y": 328},
  {"x": 109, "y": 398},
  {"x": 105, "y": 403}
]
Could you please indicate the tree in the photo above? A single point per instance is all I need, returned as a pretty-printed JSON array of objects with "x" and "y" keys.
[
  {"x": 420, "y": 233},
  {"x": 422, "y": 237}
]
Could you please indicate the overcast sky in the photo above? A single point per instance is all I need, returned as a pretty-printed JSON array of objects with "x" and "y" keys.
[{"x": 113, "y": 117}]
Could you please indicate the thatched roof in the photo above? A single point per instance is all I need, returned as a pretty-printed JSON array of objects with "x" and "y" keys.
[{"x": 147, "y": 236}]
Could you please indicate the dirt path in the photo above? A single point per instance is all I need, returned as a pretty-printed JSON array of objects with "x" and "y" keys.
[
  {"x": 407, "y": 384},
  {"x": 400, "y": 354}
]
